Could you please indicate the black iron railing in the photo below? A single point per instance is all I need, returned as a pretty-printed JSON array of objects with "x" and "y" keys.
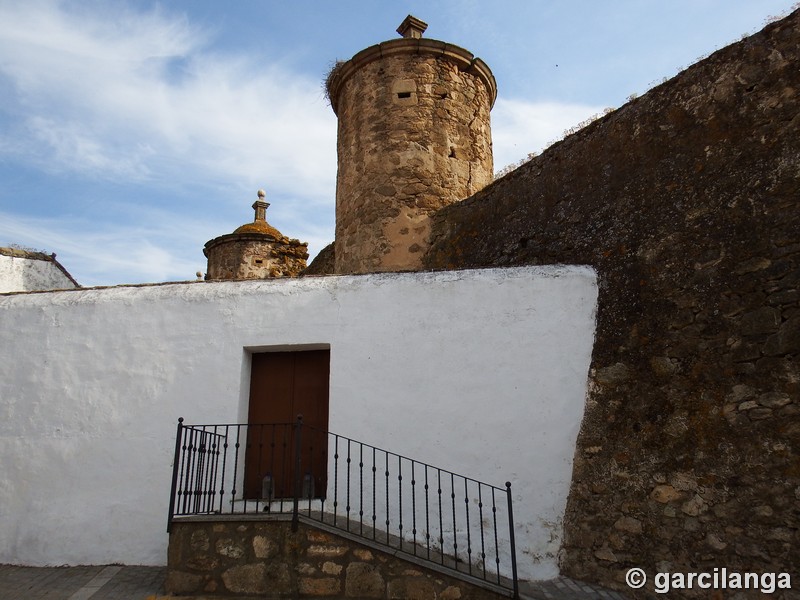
[{"x": 412, "y": 507}]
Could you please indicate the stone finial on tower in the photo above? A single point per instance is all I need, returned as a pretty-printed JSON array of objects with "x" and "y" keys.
[
  {"x": 412, "y": 27},
  {"x": 260, "y": 206}
]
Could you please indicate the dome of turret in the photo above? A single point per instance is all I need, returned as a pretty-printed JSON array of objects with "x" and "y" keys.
[{"x": 259, "y": 227}]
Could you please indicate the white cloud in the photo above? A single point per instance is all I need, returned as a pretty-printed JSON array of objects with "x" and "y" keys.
[
  {"x": 150, "y": 250},
  {"x": 519, "y": 127},
  {"x": 138, "y": 96}
]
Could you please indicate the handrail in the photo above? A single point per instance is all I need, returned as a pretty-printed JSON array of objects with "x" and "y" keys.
[{"x": 398, "y": 502}]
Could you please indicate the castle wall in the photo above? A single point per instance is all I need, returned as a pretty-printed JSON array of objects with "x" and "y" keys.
[
  {"x": 687, "y": 202},
  {"x": 479, "y": 372},
  {"x": 413, "y": 136}
]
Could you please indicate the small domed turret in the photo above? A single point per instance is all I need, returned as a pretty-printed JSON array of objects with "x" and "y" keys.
[{"x": 255, "y": 250}]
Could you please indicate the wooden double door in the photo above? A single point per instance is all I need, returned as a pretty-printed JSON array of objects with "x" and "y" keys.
[{"x": 282, "y": 386}]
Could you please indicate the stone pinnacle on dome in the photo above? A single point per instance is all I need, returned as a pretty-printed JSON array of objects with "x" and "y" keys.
[
  {"x": 412, "y": 27},
  {"x": 260, "y": 206}
]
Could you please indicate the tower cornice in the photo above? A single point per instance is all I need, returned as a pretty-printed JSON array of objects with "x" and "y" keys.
[{"x": 463, "y": 59}]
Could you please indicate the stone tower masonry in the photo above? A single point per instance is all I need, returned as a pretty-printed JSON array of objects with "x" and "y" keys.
[{"x": 414, "y": 136}]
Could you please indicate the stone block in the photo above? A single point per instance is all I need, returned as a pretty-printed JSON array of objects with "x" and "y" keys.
[
  {"x": 246, "y": 579},
  {"x": 179, "y": 582},
  {"x": 199, "y": 541},
  {"x": 329, "y": 551},
  {"x": 613, "y": 375},
  {"x": 363, "y": 554},
  {"x": 264, "y": 547},
  {"x": 364, "y": 580},
  {"x": 774, "y": 399},
  {"x": 230, "y": 548},
  {"x": 786, "y": 341},
  {"x": 665, "y": 494},
  {"x": 314, "y": 535},
  {"x": 629, "y": 525},
  {"x": 763, "y": 320},
  {"x": 411, "y": 588},
  {"x": 202, "y": 563},
  {"x": 451, "y": 592},
  {"x": 325, "y": 586}
]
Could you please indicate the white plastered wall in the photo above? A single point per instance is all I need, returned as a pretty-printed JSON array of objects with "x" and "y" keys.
[
  {"x": 21, "y": 274},
  {"x": 481, "y": 372}
]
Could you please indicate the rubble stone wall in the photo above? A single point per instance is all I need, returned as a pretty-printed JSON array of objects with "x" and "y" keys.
[
  {"x": 266, "y": 559},
  {"x": 254, "y": 256},
  {"x": 687, "y": 202}
]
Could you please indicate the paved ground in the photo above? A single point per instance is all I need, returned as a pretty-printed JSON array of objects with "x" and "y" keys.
[
  {"x": 147, "y": 583},
  {"x": 81, "y": 583}
]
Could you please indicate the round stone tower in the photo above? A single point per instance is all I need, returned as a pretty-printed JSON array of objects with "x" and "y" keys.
[
  {"x": 255, "y": 250},
  {"x": 414, "y": 136}
]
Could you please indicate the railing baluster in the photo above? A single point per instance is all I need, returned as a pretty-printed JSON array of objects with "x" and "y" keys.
[
  {"x": 271, "y": 473},
  {"x": 209, "y": 468},
  {"x": 298, "y": 475},
  {"x": 427, "y": 516},
  {"x": 347, "y": 507},
  {"x": 286, "y": 465},
  {"x": 324, "y": 453},
  {"x": 335, "y": 479},
  {"x": 400, "y": 499},
  {"x": 181, "y": 493},
  {"x": 413, "y": 509},
  {"x": 480, "y": 516},
  {"x": 192, "y": 468},
  {"x": 386, "y": 474},
  {"x": 441, "y": 522},
  {"x": 309, "y": 477},
  {"x": 361, "y": 488},
  {"x": 224, "y": 465},
  {"x": 212, "y": 476},
  {"x": 374, "y": 496},
  {"x": 466, "y": 515},
  {"x": 455, "y": 535},
  {"x": 496, "y": 544},
  {"x": 236, "y": 447}
]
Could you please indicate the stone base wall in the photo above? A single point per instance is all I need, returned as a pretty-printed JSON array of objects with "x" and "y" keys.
[{"x": 264, "y": 558}]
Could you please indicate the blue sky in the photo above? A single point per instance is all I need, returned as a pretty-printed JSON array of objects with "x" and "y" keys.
[{"x": 131, "y": 131}]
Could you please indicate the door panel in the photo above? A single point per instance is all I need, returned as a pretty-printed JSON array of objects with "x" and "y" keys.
[{"x": 283, "y": 385}]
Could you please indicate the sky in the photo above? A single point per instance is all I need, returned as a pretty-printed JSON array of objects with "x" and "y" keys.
[{"x": 133, "y": 131}]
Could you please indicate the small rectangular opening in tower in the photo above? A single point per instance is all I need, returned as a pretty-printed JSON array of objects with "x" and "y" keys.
[{"x": 404, "y": 94}]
